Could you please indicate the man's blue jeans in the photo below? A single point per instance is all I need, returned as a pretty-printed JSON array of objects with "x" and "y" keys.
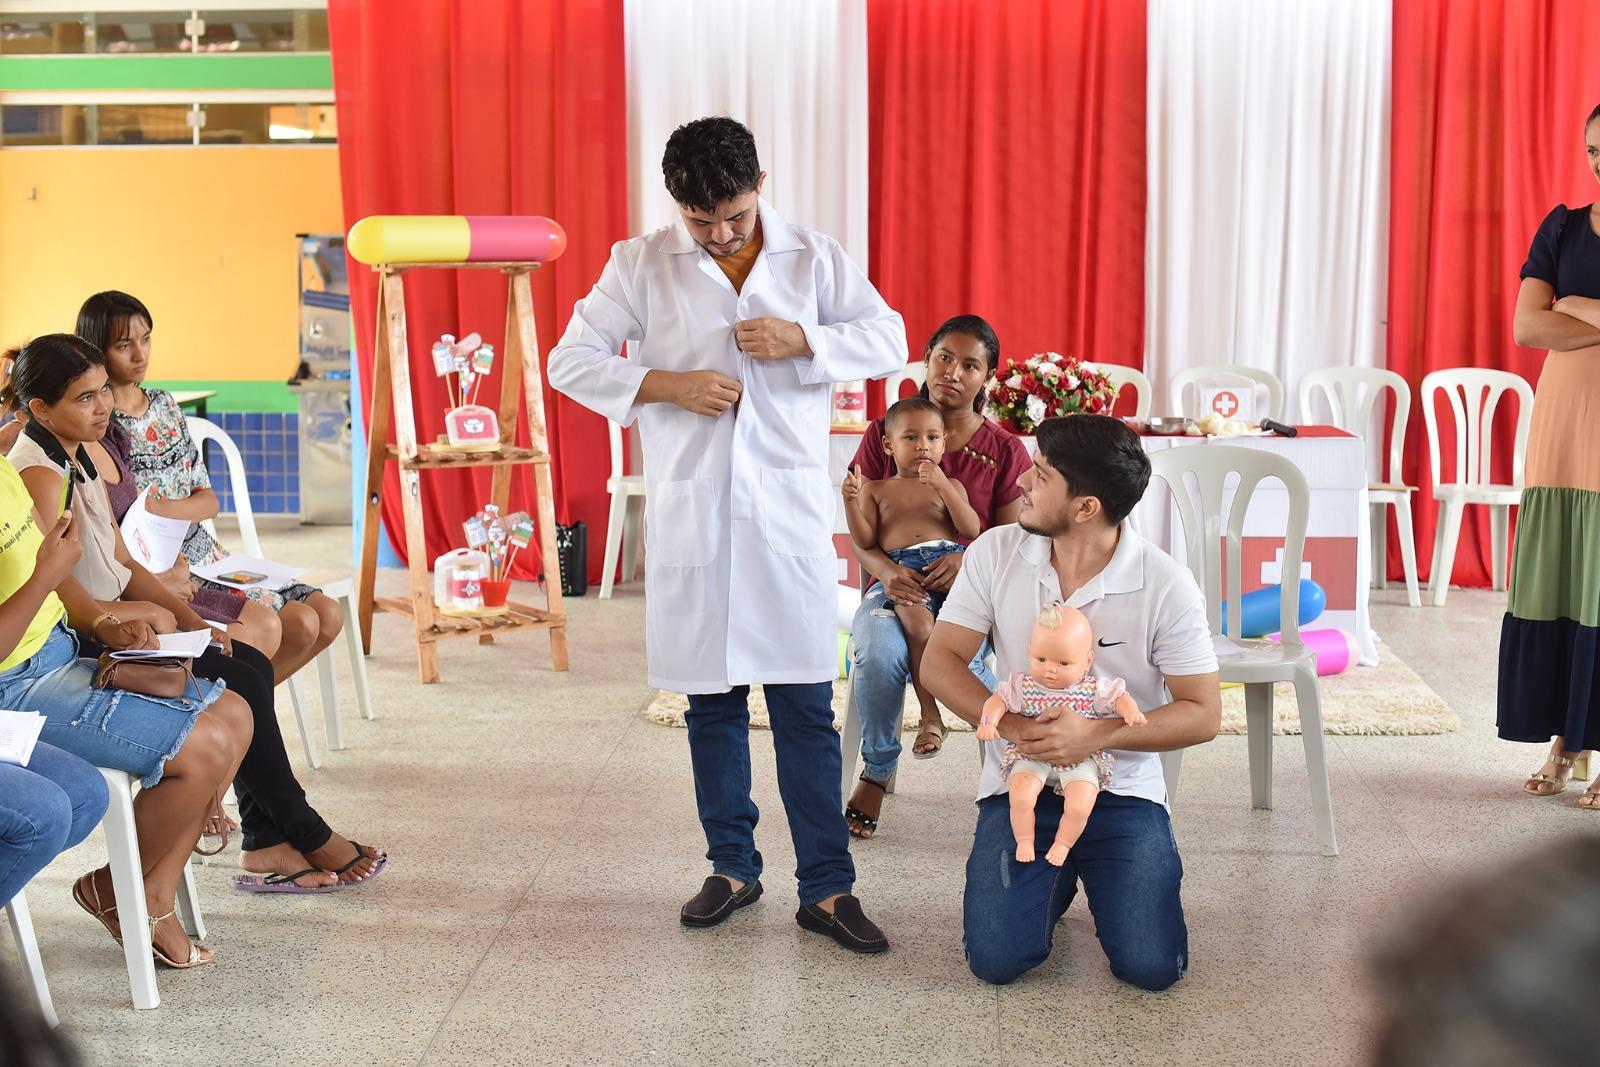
[
  {"x": 1129, "y": 865},
  {"x": 807, "y": 748},
  {"x": 45, "y": 808},
  {"x": 880, "y": 670}
]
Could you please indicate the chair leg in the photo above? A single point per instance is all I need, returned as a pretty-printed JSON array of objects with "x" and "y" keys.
[
  {"x": 614, "y": 521},
  {"x": 1308, "y": 695},
  {"x": 28, "y": 954},
  {"x": 1444, "y": 561},
  {"x": 333, "y": 728},
  {"x": 1380, "y": 562},
  {"x": 1408, "y": 549},
  {"x": 1499, "y": 535},
  {"x": 127, "y": 881},
  {"x": 358, "y": 660},
  {"x": 849, "y": 742},
  {"x": 194, "y": 924},
  {"x": 1258, "y": 733},
  {"x": 302, "y": 718},
  {"x": 1171, "y": 764},
  {"x": 633, "y": 515}
]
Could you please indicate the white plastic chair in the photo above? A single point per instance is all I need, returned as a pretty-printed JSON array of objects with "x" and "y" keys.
[
  {"x": 127, "y": 881},
  {"x": 1351, "y": 394},
  {"x": 1474, "y": 394},
  {"x": 339, "y": 587},
  {"x": 915, "y": 373},
  {"x": 28, "y": 954},
  {"x": 622, "y": 525},
  {"x": 1196, "y": 375},
  {"x": 1264, "y": 662},
  {"x": 1143, "y": 392}
]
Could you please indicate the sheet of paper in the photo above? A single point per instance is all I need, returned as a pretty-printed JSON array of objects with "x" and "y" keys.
[
  {"x": 19, "y": 733},
  {"x": 248, "y": 572},
  {"x": 186, "y": 644},
  {"x": 153, "y": 540}
]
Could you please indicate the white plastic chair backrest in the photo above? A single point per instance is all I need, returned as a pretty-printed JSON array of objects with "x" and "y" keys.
[
  {"x": 1195, "y": 375},
  {"x": 1474, "y": 393},
  {"x": 203, "y": 430},
  {"x": 616, "y": 449},
  {"x": 915, "y": 373},
  {"x": 1143, "y": 391},
  {"x": 1204, "y": 528},
  {"x": 1351, "y": 394}
]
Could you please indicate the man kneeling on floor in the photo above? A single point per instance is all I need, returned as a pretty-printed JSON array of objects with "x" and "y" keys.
[{"x": 1149, "y": 618}]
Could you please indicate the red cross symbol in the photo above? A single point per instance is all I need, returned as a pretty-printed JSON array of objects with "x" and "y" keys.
[{"x": 1225, "y": 403}]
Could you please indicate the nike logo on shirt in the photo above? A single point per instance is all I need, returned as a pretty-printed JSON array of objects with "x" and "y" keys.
[{"x": 1110, "y": 644}]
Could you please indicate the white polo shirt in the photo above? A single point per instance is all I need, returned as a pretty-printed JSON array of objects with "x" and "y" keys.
[{"x": 1148, "y": 615}]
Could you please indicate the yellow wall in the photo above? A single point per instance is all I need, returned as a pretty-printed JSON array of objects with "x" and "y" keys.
[{"x": 204, "y": 236}]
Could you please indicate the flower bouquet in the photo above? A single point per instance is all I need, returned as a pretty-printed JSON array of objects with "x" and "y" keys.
[{"x": 1044, "y": 386}]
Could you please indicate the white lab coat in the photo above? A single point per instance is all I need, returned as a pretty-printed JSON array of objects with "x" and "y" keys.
[{"x": 739, "y": 509}]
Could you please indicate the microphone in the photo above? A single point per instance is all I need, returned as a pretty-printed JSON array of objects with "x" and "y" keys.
[{"x": 1279, "y": 428}]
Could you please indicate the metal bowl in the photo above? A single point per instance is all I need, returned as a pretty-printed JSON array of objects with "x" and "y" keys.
[{"x": 1167, "y": 425}]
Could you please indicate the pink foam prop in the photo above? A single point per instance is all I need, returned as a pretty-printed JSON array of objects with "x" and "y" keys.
[{"x": 1335, "y": 650}]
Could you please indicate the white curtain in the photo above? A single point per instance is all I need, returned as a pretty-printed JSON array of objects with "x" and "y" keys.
[
  {"x": 794, "y": 72},
  {"x": 1267, "y": 237}
]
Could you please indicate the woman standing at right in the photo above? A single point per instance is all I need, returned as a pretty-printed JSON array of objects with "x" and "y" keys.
[{"x": 1550, "y": 640}]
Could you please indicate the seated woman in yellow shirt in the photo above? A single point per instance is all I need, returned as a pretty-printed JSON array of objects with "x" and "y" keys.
[{"x": 184, "y": 750}]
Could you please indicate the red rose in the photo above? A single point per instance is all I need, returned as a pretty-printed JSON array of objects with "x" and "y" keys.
[
  {"x": 1030, "y": 384},
  {"x": 1095, "y": 404}
]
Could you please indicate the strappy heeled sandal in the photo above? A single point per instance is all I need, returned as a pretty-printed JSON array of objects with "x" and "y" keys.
[
  {"x": 96, "y": 908},
  {"x": 1590, "y": 800},
  {"x": 218, "y": 825},
  {"x": 1574, "y": 766},
  {"x": 855, "y": 817},
  {"x": 197, "y": 955}
]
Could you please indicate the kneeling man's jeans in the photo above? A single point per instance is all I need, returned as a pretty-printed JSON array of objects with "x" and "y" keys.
[{"x": 1130, "y": 869}]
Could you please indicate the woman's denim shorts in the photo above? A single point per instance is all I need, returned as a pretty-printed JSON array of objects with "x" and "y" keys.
[{"x": 108, "y": 727}]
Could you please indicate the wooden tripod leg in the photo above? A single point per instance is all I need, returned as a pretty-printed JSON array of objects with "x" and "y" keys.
[
  {"x": 378, "y": 407},
  {"x": 405, "y": 432},
  {"x": 523, "y": 345}
]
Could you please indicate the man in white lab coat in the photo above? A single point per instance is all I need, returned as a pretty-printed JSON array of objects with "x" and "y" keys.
[{"x": 737, "y": 323}]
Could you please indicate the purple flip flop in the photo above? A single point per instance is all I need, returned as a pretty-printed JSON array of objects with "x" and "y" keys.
[
  {"x": 282, "y": 883},
  {"x": 361, "y": 854}
]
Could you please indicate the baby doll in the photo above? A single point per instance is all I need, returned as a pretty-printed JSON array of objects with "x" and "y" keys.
[{"x": 1059, "y": 654}]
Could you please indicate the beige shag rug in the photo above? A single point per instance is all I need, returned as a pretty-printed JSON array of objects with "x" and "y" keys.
[{"x": 1389, "y": 699}]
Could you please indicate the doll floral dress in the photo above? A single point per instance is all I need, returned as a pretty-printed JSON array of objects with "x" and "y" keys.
[
  {"x": 165, "y": 460},
  {"x": 1091, "y": 697}
]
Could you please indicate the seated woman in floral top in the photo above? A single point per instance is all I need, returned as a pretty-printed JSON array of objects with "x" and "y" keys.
[{"x": 165, "y": 459}]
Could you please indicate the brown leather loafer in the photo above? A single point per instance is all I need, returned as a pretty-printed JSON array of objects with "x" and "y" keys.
[
  {"x": 847, "y": 925},
  {"x": 716, "y": 901}
]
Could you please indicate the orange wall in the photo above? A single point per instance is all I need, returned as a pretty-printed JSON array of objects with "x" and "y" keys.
[{"x": 204, "y": 236}]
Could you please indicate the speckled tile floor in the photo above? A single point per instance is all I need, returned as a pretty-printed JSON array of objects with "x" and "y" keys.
[{"x": 543, "y": 837}]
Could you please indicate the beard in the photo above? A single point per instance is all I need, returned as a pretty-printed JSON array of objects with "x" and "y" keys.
[{"x": 1041, "y": 527}]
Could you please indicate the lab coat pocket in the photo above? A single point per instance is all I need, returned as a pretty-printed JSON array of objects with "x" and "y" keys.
[
  {"x": 681, "y": 527},
  {"x": 797, "y": 512},
  {"x": 780, "y": 381}
]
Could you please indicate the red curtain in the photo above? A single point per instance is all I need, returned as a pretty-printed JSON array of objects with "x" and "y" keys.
[
  {"x": 486, "y": 107},
  {"x": 1008, "y": 170},
  {"x": 1489, "y": 102}
]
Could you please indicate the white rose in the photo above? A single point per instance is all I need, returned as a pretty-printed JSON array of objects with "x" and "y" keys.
[
  {"x": 1049, "y": 369},
  {"x": 1072, "y": 381},
  {"x": 1015, "y": 381},
  {"x": 1036, "y": 409},
  {"x": 1089, "y": 367}
]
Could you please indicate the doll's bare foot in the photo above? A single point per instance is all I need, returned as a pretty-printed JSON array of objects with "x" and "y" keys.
[
  {"x": 1057, "y": 854},
  {"x": 1025, "y": 852},
  {"x": 339, "y": 856},
  {"x": 285, "y": 860}
]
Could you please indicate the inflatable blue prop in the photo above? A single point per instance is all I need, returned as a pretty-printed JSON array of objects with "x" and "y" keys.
[{"x": 1261, "y": 608}]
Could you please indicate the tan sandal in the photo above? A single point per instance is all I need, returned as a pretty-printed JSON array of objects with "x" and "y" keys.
[
  {"x": 94, "y": 906},
  {"x": 197, "y": 954},
  {"x": 1575, "y": 766},
  {"x": 217, "y": 825},
  {"x": 1590, "y": 799},
  {"x": 931, "y": 739}
]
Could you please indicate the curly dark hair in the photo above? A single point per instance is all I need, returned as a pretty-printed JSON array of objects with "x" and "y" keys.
[
  {"x": 1595, "y": 114},
  {"x": 710, "y": 160}
]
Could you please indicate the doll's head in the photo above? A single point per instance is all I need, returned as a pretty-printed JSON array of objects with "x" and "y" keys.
[{"x": 1061, "y": 647}]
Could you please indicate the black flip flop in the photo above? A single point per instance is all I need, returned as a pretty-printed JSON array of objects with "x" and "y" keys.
[{"x": 361, "y": 854}]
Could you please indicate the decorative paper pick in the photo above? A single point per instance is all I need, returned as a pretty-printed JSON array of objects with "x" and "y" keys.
[
  {"x": 443, "y": 359},
  {"x": 521, "y": 524},
  {"x": 483, "y": 359},
  {"x": 477, "y": 536}
]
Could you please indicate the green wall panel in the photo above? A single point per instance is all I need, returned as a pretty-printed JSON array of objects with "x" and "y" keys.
[{"x": 309, "y": 70}]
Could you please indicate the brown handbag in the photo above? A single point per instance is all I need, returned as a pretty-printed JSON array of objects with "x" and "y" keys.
[{"x": 166, "y": 678}]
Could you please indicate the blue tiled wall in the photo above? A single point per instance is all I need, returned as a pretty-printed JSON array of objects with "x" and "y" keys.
[{"x": 270, "y": 443}]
